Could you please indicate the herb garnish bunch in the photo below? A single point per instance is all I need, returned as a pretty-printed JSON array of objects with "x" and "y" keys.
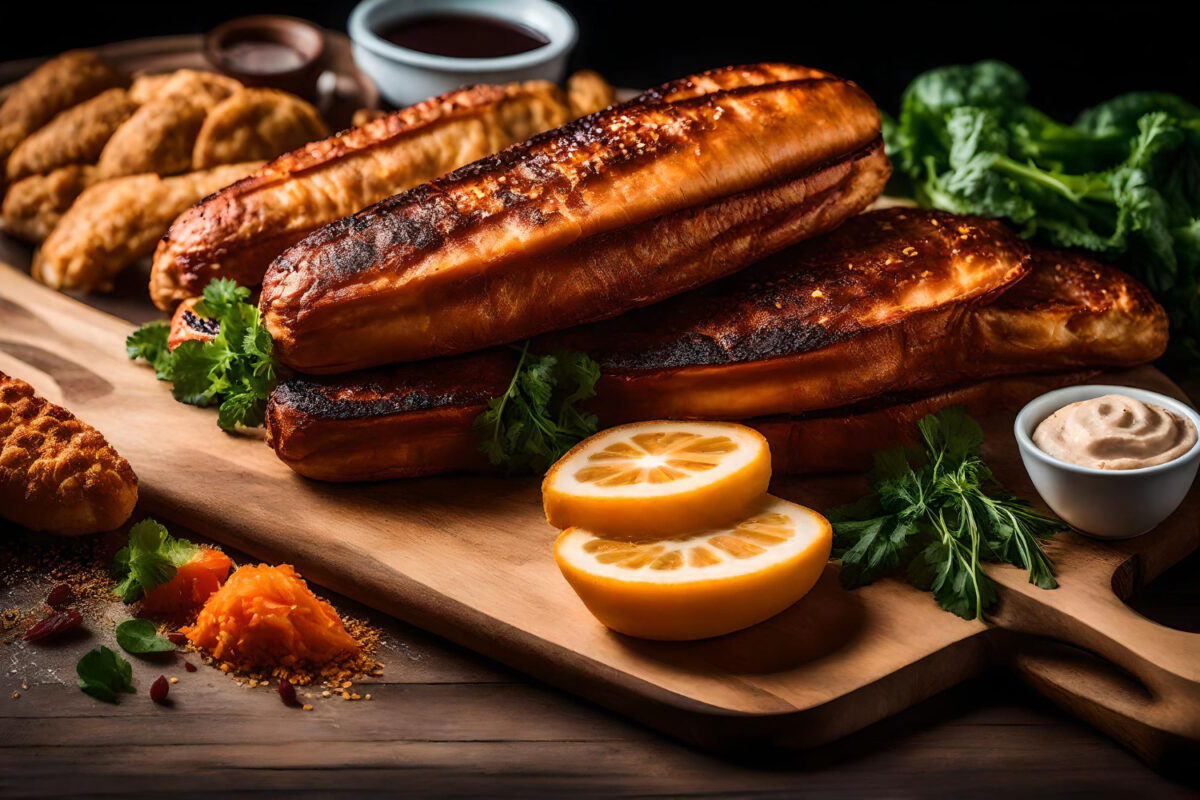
[
  {"x": 538, "y": 417},
  {"x": 938, "y": 512},
  {"x": 235, "y": 369},
  {"x": 1123, "y": 181},
  {"x": 526, "y": 429}
]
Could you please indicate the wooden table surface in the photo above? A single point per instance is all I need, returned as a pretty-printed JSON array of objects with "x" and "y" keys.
[{"x": 445, "y": 721}]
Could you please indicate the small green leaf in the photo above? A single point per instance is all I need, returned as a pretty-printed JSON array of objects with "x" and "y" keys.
[
  {"x": 139, "y": 636},
  {"x": 104, "y": 675},
  {"x": 149, "y": 560}
]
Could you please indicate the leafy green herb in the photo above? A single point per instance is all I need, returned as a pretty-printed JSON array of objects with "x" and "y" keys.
[
  {"x": 149, "y": 560},
  {"x": 538, "y": 417},
  {"x": 928, "y": 513},
  {"x": 104, "y": 675},
  {"x": 236, "y": 369},
  {"x": 139, "y": 636},
  {"x": 1123, "y": 181}
]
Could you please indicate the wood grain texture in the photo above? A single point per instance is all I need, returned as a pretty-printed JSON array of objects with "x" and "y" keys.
[{"x": 468, "y": 558}]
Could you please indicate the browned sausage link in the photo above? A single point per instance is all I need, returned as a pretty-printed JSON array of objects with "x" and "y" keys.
[{"x": 613, "y": 211}]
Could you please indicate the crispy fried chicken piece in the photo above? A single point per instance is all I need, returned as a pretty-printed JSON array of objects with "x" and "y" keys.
[
  {"x": 159, "y": 137},
  {"x": 254, "y": 125},
  {"x": 75, "y": 136},
  {"x": 55, "y": 86},
  {"x": 588, "y": 92},
  {"x": 34, "y": 205},
  {"x": 57, "y": 473},
  {"x": 118, "y": 221}
]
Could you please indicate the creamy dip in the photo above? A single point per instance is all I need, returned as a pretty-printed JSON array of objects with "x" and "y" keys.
[{"x": 1115, "y": 432}]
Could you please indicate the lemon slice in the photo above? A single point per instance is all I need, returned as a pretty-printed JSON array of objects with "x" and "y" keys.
[
  {"x": 658, "y": 478},
  {"x": 703, "y": 584}
]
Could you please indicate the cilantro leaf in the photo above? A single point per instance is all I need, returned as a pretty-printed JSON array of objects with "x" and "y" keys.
[
  {"x": 235, "y": 369},
  {"x": 929, "y": 509},
  {"x": 104, "y": 675},
  {"x": 150, "y": 342},
  {"x": 139, "y": 636},
  {"x": 538, "y": 418},
  {"x": 149, "y": 560}
]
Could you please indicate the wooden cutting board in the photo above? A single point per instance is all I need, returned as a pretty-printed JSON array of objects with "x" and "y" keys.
[{"x": 470, "y": 559}]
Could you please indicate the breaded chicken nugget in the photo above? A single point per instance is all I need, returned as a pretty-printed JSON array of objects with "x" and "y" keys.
[
  {"x": 75, "y": 136},
  {"x": 256, "y": 124},
  {"x": 57, "y": 473},
  {"x": 160, "y": 135},
  {"x": 53, "y": 87},
  {"x": 148, "y": 86},
  {"x": 117, "y": 221},
  {"x": 34, "y": 205},
  {"x": 588, "y": 92}
]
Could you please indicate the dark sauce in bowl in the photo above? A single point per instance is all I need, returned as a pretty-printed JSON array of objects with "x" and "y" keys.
[{"x": 463, "y": 35}]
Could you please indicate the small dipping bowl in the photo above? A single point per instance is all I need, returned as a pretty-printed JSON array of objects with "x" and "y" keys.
[
  {"x": 268, "y": 50},
  {"x": 1106, "y": 503},
  {"x": 405, "y": 76}
]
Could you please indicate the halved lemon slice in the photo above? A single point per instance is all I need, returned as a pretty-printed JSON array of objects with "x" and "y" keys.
[
  {"x": 658, "y": 478},
  {"x": 702, "y": 584}
]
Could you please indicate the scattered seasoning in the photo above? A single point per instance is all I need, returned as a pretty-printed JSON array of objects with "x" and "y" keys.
[
  {"x": 307, "y": 707},
  {"x": 189, "y": 666},
  {"x": 60, "y": 595},
  {"x": 287, "y": 693},
  {"x": 54, "y": 625},
  {"x": 174, "y": 679},
  {"x": 16, "y": 695},
  {"x": 159, "y": 689}
]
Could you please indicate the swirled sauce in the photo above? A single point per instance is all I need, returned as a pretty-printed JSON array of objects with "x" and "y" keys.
[{"x": 1115, "y": 432}]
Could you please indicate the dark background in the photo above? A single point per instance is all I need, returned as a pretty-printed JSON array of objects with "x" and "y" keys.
[{"x": 1074, "y": 54}]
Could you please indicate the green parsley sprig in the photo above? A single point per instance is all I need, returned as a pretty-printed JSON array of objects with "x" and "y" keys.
[
  {"x": 235, "y": 369},
  {"x": 538, "y": 418},
  {"x": 928, "y": 512},
  {"x": 151, "y": 558},
  {"x": 140, "y": 636}
]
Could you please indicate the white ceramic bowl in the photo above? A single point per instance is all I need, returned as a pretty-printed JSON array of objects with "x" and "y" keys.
[
  {"x": 407, "y": 76},
  {"x": 1105, "y": 503}
]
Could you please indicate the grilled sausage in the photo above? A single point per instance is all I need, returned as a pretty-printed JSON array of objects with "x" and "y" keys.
[
  {"x": 620, "y": 209},
  {"x": 840, "y": 329},
  {"x": 239, "y": 230}
]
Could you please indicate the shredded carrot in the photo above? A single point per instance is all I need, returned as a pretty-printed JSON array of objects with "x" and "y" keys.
[
  {"x": 193, "y": 584},
  {"x": 265, "y": 616}
]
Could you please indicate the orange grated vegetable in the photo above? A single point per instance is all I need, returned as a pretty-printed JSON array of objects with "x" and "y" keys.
[
  {"x": 193, "y": 584},
  {"x": 266, "y": 616}
]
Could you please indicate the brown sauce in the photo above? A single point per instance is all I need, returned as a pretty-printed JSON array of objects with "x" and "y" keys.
[
  {"x": 255, "y": 57},
  {"x": 463, "y": 36}
]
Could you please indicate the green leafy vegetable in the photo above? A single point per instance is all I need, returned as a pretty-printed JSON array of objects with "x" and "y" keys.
[
  {"x": 149, "y": 560},
  {"x": 538, "y": 417},
  {"x": 1123, "y": 181},
  {"x": 236, "y": 369},
  {"x": 104, "y": 675},
  {"x": 139, "y": 636},
  {"x": 928, "y": 513}
]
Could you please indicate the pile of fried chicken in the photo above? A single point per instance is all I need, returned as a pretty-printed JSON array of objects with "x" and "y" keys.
[
  {"x": 704, "y": 242},
  {"x": 96, "y": 165}
]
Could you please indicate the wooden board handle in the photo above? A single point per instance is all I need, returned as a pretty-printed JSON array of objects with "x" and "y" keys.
[
  {"x": 1100, "y": 694},
  {"x": 1141, "y": 681}
]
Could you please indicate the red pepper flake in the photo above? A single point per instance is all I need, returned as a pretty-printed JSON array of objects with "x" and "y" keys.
[
  {"x": 189, "y": 666},
  {"x": 287, "y": 692},
  {"x": 159, "y": 689},
  {"x": 59, "y": 596},
  {"x": 175, "y": 637},
  {"x": 54, "y": 625}
]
